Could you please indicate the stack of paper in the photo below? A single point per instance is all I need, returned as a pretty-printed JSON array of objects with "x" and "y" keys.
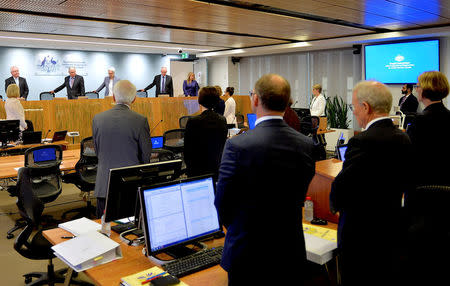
[
  {"x": 80, "y": 226},
  {"x": 87, "y": 250},
  {"x": 138, "y": 279},
  {"x": 320, "y": 243}
]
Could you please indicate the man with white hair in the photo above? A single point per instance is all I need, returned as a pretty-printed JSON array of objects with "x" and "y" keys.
[
  {"x": 163, "y": 83},
  {"x": 73, "y": 83},
  {"x": 121, "y": 138},
  {"x": 368, "y": 191},
  {"x": 109, "y": 82},
  {"x": 20, "y": 81}
]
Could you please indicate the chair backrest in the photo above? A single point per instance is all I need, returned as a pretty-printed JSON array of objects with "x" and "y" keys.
[
  {"x": 174, "y": 140},
  {"x": 91, "y": 95},
  {"x": 161, "y": 155},
  {"x": 30, "y": 126},
  {"x": 239, "y": 118},
  {"x": 46, "y": 95},
  {"x": 183, "y": 120},
  {"x": 141, "y": 94},
  {"x": 315, "y": 120},
  {"x": 86, "y": 167}
]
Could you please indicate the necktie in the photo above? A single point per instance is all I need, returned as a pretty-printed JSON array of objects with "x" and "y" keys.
[
  {"x": 403, "y": 100},
  {"x": 71, "y": 82},
  {"x": 163, "y": 85}
]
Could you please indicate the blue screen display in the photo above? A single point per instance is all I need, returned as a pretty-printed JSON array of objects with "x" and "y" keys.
[
  {"x": 401, "y": 62},
  {"x": 42, "y": 155},
  {"x": 157, "y": 142},
  {"x": 251, "y": 118}
]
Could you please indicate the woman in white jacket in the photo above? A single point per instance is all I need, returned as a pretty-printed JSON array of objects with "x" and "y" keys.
[
  {"x": 230, "y": 106},
  {"x": 319, "y": 102},
  {"x": 13, "y": 107}
]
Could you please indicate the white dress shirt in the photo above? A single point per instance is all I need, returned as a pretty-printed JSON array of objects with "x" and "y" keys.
[
  {"x": 230, "y": 110},
  {"x": 110, "y": 87},
  {"x": 14, "y": 111},
  {"x": 318, "y": 105},
  {"x": 267, "y": 117}
]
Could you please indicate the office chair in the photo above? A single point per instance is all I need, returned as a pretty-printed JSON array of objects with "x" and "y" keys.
[
  {"x": 183, "y": 121},
  {"x": 141, "y": 94},
  {"x": 91, "y": 95},
  {"x": 34, "y": 245},
  {"x": 84, "y": 177},
  {"x": 240, "y": 121},
  {"x": 46, "y": 178},
  {"x": 29, "y": 125},
  {"x": 173, "y": 140},
  {"x": 46, "y": 96}
]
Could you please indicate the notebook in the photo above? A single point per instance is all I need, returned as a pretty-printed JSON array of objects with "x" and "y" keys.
[
  {"x": 138, "y": 279},
  {"x": 341, "y": 149},
  {"x": 31, "y": 137},
  {"x": 59, "y": 136},
  {"x": 251, "y": 118},
  {"x": 80, "y": 226},
  {"x": 157, "y": 142}
]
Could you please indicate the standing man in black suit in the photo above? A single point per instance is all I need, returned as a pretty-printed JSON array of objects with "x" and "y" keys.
[
  {"x": 20, "y": 81},
  {"x": 163, "y": 82},
  {"x": 121, "y": 138},
  {"x": 368, "y": 191},
  {"x": 205, "y": 136},
  {"x": 408, "y": 103},
  {"x": 74, "y": 84},
  {"x": 263, "y": 178}
]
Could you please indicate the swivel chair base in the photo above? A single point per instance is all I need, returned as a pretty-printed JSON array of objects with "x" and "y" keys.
[{"x": 51, "y": 277}]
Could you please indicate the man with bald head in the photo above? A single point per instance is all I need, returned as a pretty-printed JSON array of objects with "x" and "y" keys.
[
  {"x": 163, "y": 83},
  {"x": 263, "y": 178},
  {"x": 20, "y": 81},
  {"x": 73, "y": 83},
  {"x": 368, "y": 191}
]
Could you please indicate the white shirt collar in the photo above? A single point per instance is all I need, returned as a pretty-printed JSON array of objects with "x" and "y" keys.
[
  {"x": 267, "y": 117},
  {"x": 375, "y": 120}
]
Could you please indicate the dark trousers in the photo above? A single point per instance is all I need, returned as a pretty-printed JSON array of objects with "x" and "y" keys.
[{"x": 101, "y": 202}]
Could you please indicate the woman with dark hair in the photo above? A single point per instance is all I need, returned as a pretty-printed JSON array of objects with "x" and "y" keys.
[
  {"x": 205, "y": 136},
  {"x": 230, "y": 106},
  {"x": 428, "y": 131}
]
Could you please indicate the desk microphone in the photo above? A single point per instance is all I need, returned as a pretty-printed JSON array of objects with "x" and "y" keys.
[
  {"x": 151, "y": 130},
  {"x": 45, "y": 137},
  {"x": 295, "y": 103}
]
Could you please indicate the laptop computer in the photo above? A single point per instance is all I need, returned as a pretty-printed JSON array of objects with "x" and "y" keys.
[
  {"x": 157, "y": 142},
  {"x": 251, "y": 118},
  {"x": 341, "y": 149},
  {"x": 31, "y": 137},
  {"x": 59, "y": 136}
]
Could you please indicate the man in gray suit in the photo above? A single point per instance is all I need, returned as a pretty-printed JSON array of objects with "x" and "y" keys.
[
  {"x": 109, "y": 82},
  {"x": 121, "y": 138}
]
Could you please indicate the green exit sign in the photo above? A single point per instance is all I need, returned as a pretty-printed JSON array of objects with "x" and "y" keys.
[{"x": 185, "y": 55}]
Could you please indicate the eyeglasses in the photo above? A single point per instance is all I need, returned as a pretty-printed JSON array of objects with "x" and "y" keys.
[
  {"x": 351, "y": 106},
  {"x": 251, "y": 93},
  {"x": 416, "y": 86}
]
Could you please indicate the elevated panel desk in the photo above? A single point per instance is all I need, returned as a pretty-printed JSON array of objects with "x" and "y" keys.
[{"x": 320, "y": 187}]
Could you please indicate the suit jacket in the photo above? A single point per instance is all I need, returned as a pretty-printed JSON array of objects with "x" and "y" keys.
[
  {"x": 430, "y": 140},
  {"x": 368, "y": 192},
  {"x": 77, "y": 88},
  {"x": 23, "y": 86},
  {"x": 106, "y": 84},
  {"x": 157, "y": 82},
  {"x": 204, "y": 140},
  {"x": 410, "y": 105},
  {"x": 121, "y": 138},
  {"x": 263, "y": 178}
]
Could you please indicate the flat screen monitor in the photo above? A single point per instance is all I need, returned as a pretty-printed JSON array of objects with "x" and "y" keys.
[
  {"x": 44, "y": 155},
  {"x": 251, "y": 118},
  {"x": 31, "y": 137},
  {"x": 9, "y": 131},
  {"x": 302, "y": 112},
  {"x": 157, "y": 142},
  {"x": 402, "y": 62},
  {"x": 341, "y": 152},
  {"x": 124, "y": 182},
  {"x": 178, "y": 213}
]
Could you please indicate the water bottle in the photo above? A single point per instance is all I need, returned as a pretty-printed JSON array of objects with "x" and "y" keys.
[
  {"x": 106, "y": 226},
  {"x": 309, "y": 209}
]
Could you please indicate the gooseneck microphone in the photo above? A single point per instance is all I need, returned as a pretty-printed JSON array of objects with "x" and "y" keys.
[
  {"x": 151, "y": 130},
  {"x": 45, "y": 137}
]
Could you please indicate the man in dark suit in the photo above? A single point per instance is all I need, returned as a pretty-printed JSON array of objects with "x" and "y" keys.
[
  {"x": 163, "y": 83},
  {"x": 121, "y": 138},
  {"x": 109, "y": 82},
  {"x": 205, "y": 136},
  {"x": 20, "y": 81},
  {"x": 263, "y": 178},
  {"x": 73, "y": 83},
  {"x": 408, "y": 103},
  {"x": 368, "y": 191}
]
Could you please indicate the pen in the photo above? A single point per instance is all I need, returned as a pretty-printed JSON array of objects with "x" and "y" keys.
[
  {"x": 67, "y": 237},
  {"x": 153, "y": 278}
]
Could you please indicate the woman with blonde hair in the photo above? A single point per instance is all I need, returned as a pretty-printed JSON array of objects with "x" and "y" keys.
[
  {"x": 13, "y": 107},
  {"x": 190, "y": 85}
]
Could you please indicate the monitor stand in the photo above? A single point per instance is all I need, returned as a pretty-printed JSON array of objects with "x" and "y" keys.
[{"x": 181, "y": 251}]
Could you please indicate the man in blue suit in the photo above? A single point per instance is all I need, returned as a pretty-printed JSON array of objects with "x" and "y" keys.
[
  {"x": 263, "y": 178},
  {"x": 109, "y": 82}
]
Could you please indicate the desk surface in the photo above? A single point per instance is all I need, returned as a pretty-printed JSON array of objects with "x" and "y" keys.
[{"x": 9, "y": 164}]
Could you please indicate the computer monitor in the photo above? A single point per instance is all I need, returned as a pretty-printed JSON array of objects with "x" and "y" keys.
[
  {"x": 31, "y": 137},
  {"x": 157, "y": 142},
  {"x": 178, "y": 213},
  {"x": 302, "y": 112},
  {"x": 124, "y": 182},
  {"x": 251, "y": 118},
  {"x": 9, "y": 131},
  {"x": 341, "y": 149},
  {"x": 44, "y": 155}
]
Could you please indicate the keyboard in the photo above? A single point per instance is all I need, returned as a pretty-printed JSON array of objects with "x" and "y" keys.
[{"x": 195, "y": 262}]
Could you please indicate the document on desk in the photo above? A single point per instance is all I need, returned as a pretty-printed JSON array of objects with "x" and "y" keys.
[
  {"x": 80, "y": 226},
  {"x": 87, "y": 250},
  {"x": 320, "y": 243}
]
